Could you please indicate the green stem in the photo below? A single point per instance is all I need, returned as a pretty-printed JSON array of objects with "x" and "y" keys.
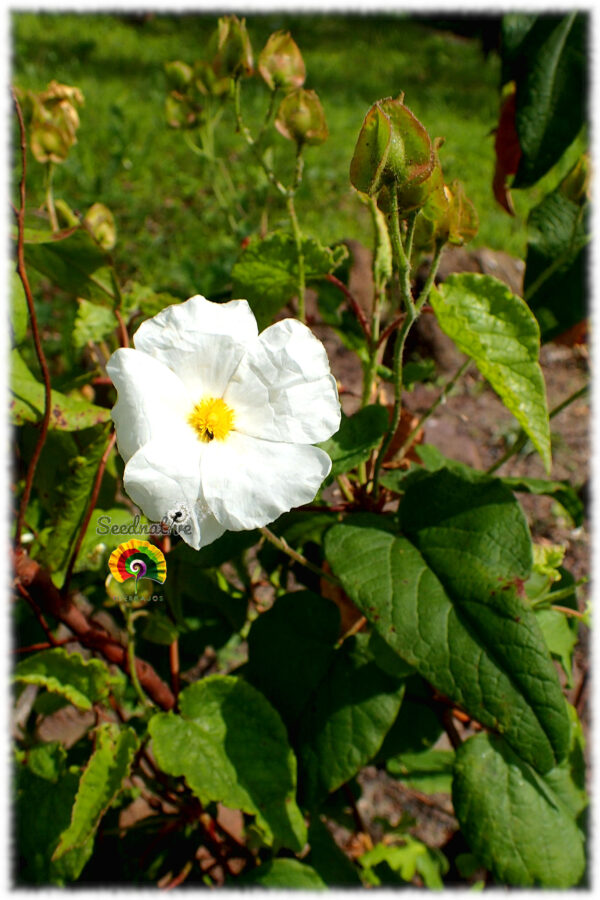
[
  {"x": 50, "y": 197},
  {"x": 522, "y": 437},
  {"x": 298, "y": 235},
  {"x": 283, "y": 545},
  {"x": 402, "y": 261},
  {"x": 246, "y": 134},
  {"x": 130, "y": 618},
  {"x": 424, "y": 295}
]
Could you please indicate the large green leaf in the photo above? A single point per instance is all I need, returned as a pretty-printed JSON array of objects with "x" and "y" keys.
[
  {"x": 328, "y": 860},
  {"x": 560, "y": 491},
  {"x": 74, "y": 262},
  {"x": 231, "y": 747},
  {"x": 283, "y": 874},
  {"x": 515, "y": 823},
  {"x": 550, "y": 74},
  {"x": 81, "y": 682},
  {"x": 429, "y": 771},
  {"x": 42, "y": 807},
  {"x": 266, "y": 273},
  {"x": 555, "y": 283},
  {"x": 290, "y": 648},
  {"x": 499, "y": 332},
  {"x": 28, "y": 399},
  {"x": 346, "y": 719},
  {"x": 445, "y": 597},
  {"x": 100, "y": 783},
  {"x": 357, "y": 436}
]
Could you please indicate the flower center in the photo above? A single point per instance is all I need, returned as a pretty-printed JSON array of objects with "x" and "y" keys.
[{"x": 211, "y": 418}]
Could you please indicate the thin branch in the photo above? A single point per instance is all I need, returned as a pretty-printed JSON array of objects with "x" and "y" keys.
[
  {"x": 283, "y": 545},
  {"x": 38, "y": 614},
  {"x": 123, "y": 336},
  {"x": 88, "y": 514},
  {"x": 362, "y": 319},
  {"x": 22, "y": 272}
]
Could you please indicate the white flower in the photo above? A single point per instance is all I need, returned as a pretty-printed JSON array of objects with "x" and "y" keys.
[{"x": 219, "y": 421}]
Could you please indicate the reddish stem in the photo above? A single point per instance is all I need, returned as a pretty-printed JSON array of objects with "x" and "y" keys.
[
  {"x": 362, "y": 320},
  {"x": 22, "y": 272}
]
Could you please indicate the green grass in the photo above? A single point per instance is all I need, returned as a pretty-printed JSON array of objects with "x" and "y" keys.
[{"x": 172, "y": 235}]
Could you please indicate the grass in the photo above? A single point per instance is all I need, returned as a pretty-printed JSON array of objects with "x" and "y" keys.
[{"x": 172, "y": 235}]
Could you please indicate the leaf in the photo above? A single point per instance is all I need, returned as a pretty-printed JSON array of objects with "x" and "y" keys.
[
  {"x": 93, "y": 323},
  {"x": 513, "y": 820},
  {"x": 47, "y": 760},
  {"x": 556, "y": 263},
  {"x": 550, "y": 75},
  {"x": 74, "y": 262},
  {"x": 100, "y": 783},
  {"x": 283, "y": 874},
  {"x": 568, "y": 780},
  {"x": 498, "y": 331},
  {"x": 561, "y": 491},
  {"x": 231, "y": 747},
  {"x": 429, "y": 771},
  {"x": 19, "y": 313},
  {"x": 408, "y": 859},
  {"x": 290, "y": 647},
  {"x": 328, "y": 860},
  {"x": 27, "y": 402},
  {"x": 443, "y": 596},
  {"x": 266, "y": 273},
  {"x": 42, "y": 810},
  {"x": 417, "y": 726},
  {"x": 72, "y": 503},
  {"x": 346, "y": 719},
  {"x": 159, "y": 629},
  {"x": 82, "y": 682},
  {"x": 357, "y": 436}
]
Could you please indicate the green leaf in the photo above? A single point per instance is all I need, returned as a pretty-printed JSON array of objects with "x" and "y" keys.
[
  {"x": 19, "y": 314},
  {"x": 357, "y": 436},
  {"x": 74, "y": 262},
  {"x": 231, "y": 747},
  {"x": 47, "y": 760},
  {"x": 444, "y": 597},
  {"x": 513, "y": 820},
  {"x": 93, "y": 323},
  {"x": 266, "y": 273},
  {"x": 283, "y": 874},
  {"x": 82, "y": 682},
  {"x": 328, "y": 860},
  {"x": 72, "y": 503},
  {"x": 429, "y": 771},
  {"x": 290, "y": 648},
  {"x": 27, "y": 402},
  {"x": 408, "y": 859},
  {"x": 159, "y": 629},
  {"x": 556, "y": 263},
  {"x": 100, "y": 783},
  {"x": 417, "y": 726},
  {"x": 42, "y": 811},
  {"x": 568, "y": 780},
  {"x": 498, "y": 331},
  {"x": 550, "y": 71},
  {"x": 561, "y": 491},
  {"x": 346, "y": 719}
]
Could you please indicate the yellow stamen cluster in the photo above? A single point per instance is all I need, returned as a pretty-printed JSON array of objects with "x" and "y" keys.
[{"x": 211, "y": 419}]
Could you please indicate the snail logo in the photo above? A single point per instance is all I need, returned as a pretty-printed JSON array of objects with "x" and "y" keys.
[{"x": 138, "y": 559}]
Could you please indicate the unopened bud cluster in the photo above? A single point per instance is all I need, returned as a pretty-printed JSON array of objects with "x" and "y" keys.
[{"x": 54, "y": 121}]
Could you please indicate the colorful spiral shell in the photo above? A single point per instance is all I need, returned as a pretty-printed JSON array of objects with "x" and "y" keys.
[{"x": 138, "y": 559}]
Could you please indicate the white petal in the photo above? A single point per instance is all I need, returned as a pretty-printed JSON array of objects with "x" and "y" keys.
[
  {"x": 151, "y": 399},
  {"x": 164, "y": 474},
  {"x": 292, "y": 363},
  {"x": 249, "y": 482},
  {"x": 183, "y": 323},
  {"x": 205, "y": 363}
]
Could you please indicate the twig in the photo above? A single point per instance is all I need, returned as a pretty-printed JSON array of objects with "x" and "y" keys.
[
  {"x": 283, "y": 545},
  {"x": 88, "y": 514},
  {"x": 123, "y": 336},
  {"x": 174, "y": 665},
  {"x": 362, "y": 319},
  {"x": 22, "y": 272},
  {"x": 390, "y": 328},
  {"x": 38, "y": 614}
]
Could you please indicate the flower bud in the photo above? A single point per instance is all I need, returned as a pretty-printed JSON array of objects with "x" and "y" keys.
[
  {"x": 233, "y": 56},
  {"x": 281, "y": 63},
  {"x": 54, "y": 122},
  {"x": 414, "y": 196},
  {"x": 576, "y": 184},
  {"x": 464, "y": 222},
  {"x": 206, "y": 83},
  {"x": 100, "y": 222},
  {"x": 392, "y": 147},
  {"x": 448, "y": 215},
  {"x": 179, "y": 75},
  {"x": 301, "y": 118}
]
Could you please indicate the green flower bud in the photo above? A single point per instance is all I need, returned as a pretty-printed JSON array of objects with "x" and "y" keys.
[
  {"x": 100, "y": 222},
  {"x": 233, "y": 56},
  {"x": 464, "y": 222},
  {"x": 206, "y": 83},
  {"x": 54, "y": 122},
  {"x": 301, "y": 118},
  {"x": 448, "y": 215},
  {"x": 576, "y": 184},
  {"x": 179, "y": 75},
  {"x": 281, "y": 63},
  {"x": 178, "y": 111},
  {"x": 392, "y": 147}
]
